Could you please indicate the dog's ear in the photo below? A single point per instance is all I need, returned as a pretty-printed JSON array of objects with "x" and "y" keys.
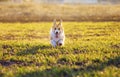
[
  {"x": 60, "y": 23},
  {"x": 54, "y": 22}
]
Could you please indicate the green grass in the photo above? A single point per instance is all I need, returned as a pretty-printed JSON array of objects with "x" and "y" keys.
[{"x": 91, "y": 49}]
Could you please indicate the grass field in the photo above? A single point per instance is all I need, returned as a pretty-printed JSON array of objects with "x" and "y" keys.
[
  {"x": 47, "y": 12},
  {"x": 91, "y": 49}
]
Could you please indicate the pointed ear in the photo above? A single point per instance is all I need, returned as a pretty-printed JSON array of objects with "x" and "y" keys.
[
  {"x": 54, "y": 22},
  {"x": 60, "y": 23}
]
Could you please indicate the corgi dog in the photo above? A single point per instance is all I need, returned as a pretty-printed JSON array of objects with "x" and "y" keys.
[{"x": 57, "y": 36}]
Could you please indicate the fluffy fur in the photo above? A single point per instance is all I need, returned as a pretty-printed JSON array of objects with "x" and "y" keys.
[{"x": 57, "y": 36}]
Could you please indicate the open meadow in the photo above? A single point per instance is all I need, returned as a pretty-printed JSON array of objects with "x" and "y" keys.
[{"x": 91, "y": 49}]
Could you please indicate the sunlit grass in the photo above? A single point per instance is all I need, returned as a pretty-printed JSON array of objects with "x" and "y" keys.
[{"x": 91, "y": 49}]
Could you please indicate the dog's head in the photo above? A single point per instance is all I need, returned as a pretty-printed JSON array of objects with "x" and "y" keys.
[{"x": 57, "y": 28}]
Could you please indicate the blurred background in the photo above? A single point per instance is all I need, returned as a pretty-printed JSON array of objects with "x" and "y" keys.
[
  {"x": 66, "y": 1},
  {"x": 68, "y": 10}
]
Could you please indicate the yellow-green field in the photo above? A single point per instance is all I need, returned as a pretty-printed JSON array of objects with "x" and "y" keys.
[{"x": 91, "y": 49}]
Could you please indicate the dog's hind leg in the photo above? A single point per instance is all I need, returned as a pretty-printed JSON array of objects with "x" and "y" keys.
[{"x": 53, "y": 43}]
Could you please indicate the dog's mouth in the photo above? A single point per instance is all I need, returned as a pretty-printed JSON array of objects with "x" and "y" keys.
[{"x": 56, "y": 35}]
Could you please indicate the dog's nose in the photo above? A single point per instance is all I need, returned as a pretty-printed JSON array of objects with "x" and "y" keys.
[{"x": 56, "y": 32}]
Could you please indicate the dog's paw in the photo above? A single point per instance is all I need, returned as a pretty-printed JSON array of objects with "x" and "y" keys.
[{"x": 60, "y": 44}]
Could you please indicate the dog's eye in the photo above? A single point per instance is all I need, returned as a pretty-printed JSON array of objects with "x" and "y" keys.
[
  {"x": 55, "y": 28},
  {"x": 58, "y": 28}
]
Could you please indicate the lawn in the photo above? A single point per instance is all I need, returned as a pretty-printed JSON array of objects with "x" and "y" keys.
[{"x": 91, "y": 49}]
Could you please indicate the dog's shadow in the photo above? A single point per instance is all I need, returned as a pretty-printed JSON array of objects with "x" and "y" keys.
[{"x": 33, "y": 49}]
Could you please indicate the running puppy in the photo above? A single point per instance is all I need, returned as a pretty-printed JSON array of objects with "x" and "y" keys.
[{"x": 57, "y": 36}]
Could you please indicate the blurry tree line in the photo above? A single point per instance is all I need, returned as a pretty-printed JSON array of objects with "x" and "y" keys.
[{"x": 66, "y": 1}]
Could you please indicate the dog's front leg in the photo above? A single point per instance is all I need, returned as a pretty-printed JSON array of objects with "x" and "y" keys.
[
  {"x": 61, "y": 42},
  {"x": 53, "y": 43}
]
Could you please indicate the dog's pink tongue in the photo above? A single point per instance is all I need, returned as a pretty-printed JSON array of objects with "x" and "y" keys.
[{"x": 56, "y": 35}]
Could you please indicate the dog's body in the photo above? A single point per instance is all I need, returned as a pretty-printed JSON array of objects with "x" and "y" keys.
[{"x": 57, "y": 36}]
